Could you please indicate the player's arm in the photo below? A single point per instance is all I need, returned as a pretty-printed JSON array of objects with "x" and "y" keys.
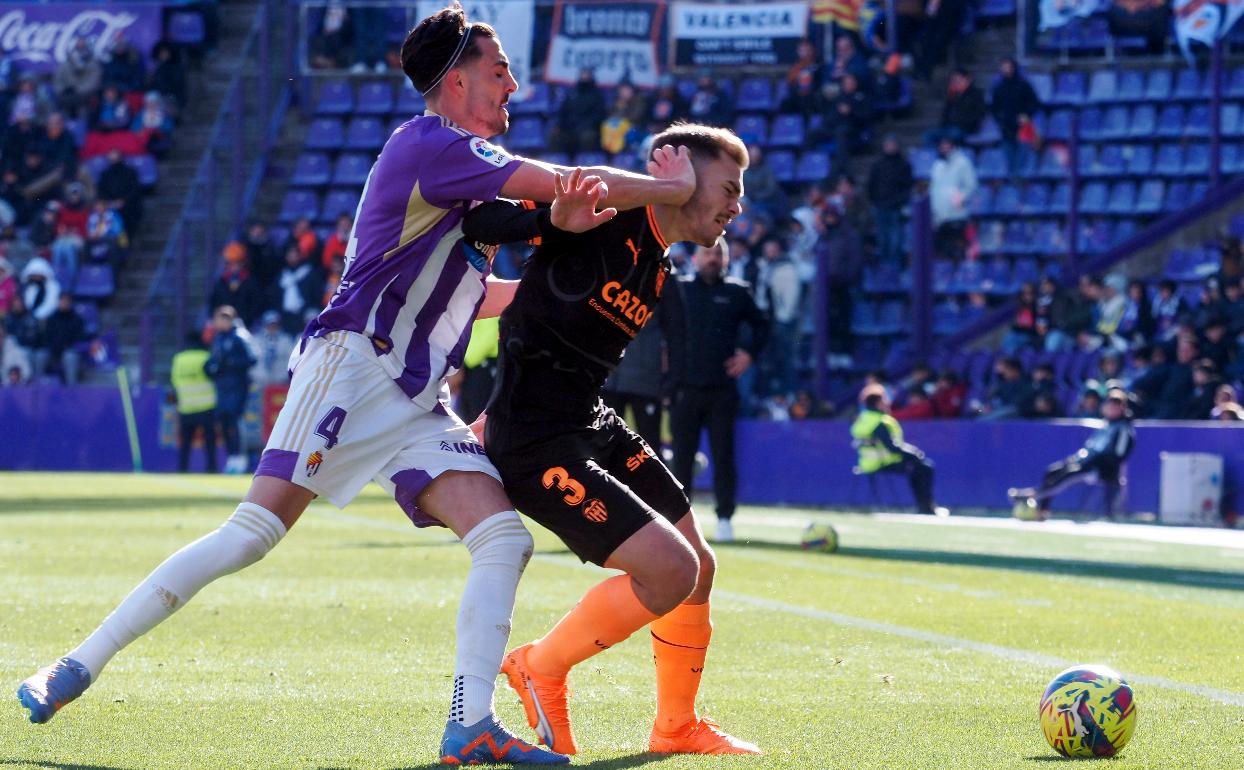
[
  {"x": 672, "y": 181},
  {"x": 574, "y": 210},
  {"x": 498, "y": 297}
]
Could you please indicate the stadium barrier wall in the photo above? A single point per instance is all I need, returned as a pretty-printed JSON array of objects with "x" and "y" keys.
[{"x": 804, "y": 463}]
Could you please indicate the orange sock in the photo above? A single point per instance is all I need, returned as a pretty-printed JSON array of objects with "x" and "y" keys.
[
  {"x": 679, "y": 644},
  {"x": 605, "y": 616}
]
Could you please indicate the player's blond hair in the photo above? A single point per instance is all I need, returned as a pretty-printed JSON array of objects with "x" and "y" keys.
[{"x": 704, "y": 142}]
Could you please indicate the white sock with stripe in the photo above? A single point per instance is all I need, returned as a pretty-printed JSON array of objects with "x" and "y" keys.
[
  {"x": 244, "y": 538},
  {"x": 500, "y": 548}
]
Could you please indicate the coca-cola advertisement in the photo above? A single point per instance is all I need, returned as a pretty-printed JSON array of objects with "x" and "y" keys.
[{"x": 38, "y": 37}]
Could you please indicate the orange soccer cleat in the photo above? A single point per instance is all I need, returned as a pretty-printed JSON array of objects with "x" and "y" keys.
[
  {"x": 702, "y": 736},
  {"x": 546, "y": 701}
]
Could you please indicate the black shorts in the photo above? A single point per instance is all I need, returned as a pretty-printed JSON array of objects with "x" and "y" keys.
[{"x": 593, "y": 485}]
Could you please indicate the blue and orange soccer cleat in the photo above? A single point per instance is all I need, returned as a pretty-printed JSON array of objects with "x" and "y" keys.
[
  {"x": 51, "y": 687},
  {"x": 487, "y": 742}
]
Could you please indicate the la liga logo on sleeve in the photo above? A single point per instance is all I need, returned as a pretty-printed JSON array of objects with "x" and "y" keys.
[{"x": 490, "y": 153}]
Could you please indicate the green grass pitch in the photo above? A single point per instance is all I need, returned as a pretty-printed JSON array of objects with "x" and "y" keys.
[{"x": 920, "y": 645}]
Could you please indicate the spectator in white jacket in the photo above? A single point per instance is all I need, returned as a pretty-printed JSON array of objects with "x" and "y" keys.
[
  {"x": 40, "y": 289},
  {"x": 780, "y": 295},
  {"x": 952, "y": 183}
]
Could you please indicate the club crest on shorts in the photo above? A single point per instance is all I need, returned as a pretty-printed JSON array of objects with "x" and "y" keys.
[
  {"x": 313, "y": 463},
  {"x": 595, "y": 511}
]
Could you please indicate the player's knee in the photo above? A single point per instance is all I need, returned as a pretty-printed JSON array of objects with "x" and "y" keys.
[
  {"x": 683, "y": 574},
  {"x": 708, "y": 569}
]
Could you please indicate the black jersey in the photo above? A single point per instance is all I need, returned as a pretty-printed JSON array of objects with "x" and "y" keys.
[{"x": 582, "y": 298}]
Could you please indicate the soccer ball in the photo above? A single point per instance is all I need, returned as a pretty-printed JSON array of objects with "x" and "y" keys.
[
  {"x": 1088, "y": 711},
  {"x": 1025, "y": 509},
  {"x": 819, "y": 537}
]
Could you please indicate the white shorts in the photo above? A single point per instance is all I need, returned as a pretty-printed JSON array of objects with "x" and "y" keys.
[{"x": 346, "y": 422}]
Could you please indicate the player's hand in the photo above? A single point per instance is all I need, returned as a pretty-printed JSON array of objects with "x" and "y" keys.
[
  {"x": 477, "y": 427},
  {"x": 575, "y": 199},
  {"x": 674, "y": 166},
  {"x": 738, "y": 363}
]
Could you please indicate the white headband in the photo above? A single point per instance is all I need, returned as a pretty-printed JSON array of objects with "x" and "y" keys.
[{"x": 462, "y": 44}]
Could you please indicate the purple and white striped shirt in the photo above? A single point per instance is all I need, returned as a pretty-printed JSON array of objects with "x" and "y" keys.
[{"x": 410, "y": 285}]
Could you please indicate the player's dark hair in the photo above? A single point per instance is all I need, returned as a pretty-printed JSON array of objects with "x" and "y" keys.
[
  {"x": 705, "y": 143},
  {"x": 873, "y": 400},
  {"x": 432, "y": 43}
]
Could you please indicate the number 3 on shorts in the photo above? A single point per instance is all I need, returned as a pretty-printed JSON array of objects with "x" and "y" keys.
[
  {"x": 560, "y": 478},
  {"x": 330, "y": 426}
]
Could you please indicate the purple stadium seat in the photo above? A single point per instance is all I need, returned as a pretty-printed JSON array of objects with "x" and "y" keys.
[
  {"x": 968, "y": 277},
  {"x": 1058, "y": 126},
  {"x": 1006, "y": 200},
  {"x": 1234, "y": 87},
  {"x": 325, "y": 134},
  {"x": 783, "y": 164},
  {"x": 813, "y": 166},
  {"x": 1093, "y": 198},
  {"x": 997, "y": 278},
  {"x": 1103, "y": 86},
  {"x": 755, "y": 95},
  {"x": 339, "y": 202},
  {"x": 1027, "y": 270},
  {"x": 1176, "y": 196},
  {"x": 1110, "y": 160},
  {"x": 336, "y": 98},
  {"x": 1196, "y": 160},
  {"x": 555, "y": 158},
  {"x": 536, "y": 99},
  {"x": 525, "y": 134},
  {"x": 1232, "y": 158},
  {"x": 310, "y": 170},
  {"x": 591, "y": 159},
  {"x": 943, "y": 274},
  {"x": 1158, "y": 86},
  {"x": 1122, "y": 199},
  {"x": 921, "y": 159},
  {"x": 1139, "y": 159},
  {"x": 787, "y": 131},
  {"x": 990, "y": 236},
  {"x": 1114, "y": 123},
  {"x": 1090, "y": 125},
  {"x": 94, "y": 282},
  {"x": 365, "y": 134},
  {"x": 864, "y": 318},
  {"x": 753, "y": 129},
  {"x": 90, "y": 316},
  {"x": 1144, "y": 122},
  {"x": 1198, "y": 120},
  {"x": 1053, "y": 163},
  {"x": 95, "y": 166},
  {"x": 945, "y": 318},
  {"x": 1019, "y": 238},
  {"x": 1169, "y": 161},
  {"x": 375, "y": 98},
  {"x": 1036, "y": 199},
  {"x": 982, "y": 201},
  {"x": 991, "y": 164},
  {"x": 1171, "y": 121},
  {"x": 1149, "y": 200},
  {"x": 1069, "y": 88},
  {"x": 298, "y": 204},
  {"x": 1086, "y": 160},
  {"x": 186, "y": 28},
  {"x": 1043, "y": 84},
  {"x": 1060, "y": 199},
  {"x": 996, "y": 9},
  {"x": 351, "y": 170},
  {"x": 987, "y": 135},
  {"x": 1131, "y": 86},
  {"x": 148, "y": 171},
  {"x": 409, "y": 102},
  {"x": 1189, "y": 86},
  {"x": 1230, "y": 120}
]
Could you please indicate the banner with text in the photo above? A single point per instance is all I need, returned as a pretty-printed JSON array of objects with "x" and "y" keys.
[
  {"x": 617, "y": 41},
  {"x": 38, "y": 37},
  {"x": 755, "y": 34},
  {"x": 513, "y": 19}
]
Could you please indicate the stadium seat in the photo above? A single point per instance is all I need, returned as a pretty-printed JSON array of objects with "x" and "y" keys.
[
  {"x": 1114, "y": 123},
  {"x": 525, "y": 134},
  {"x": 992, "y": 164},
  {"x": 409, "y": 102},
  {"x": 813, "y": 166},
  {"x": 1103, "y": 86},
  {"x": 1036, "y": 199},
  {"x": 1229, "y": 121},
  {"x": 95, "y": 281},
  {"x": 90, "y": 316},
  {"x": 943, "y": 275},
  {"x": 1053, "y": 163},
  {"x": 325, "y": 134},
  {"x": 1006, "y": 200},
  {"x": 787, "y": 131},
  {"x": 864, "y": 318},
  {"x": 981, "y": 204},
  {"x": 351, "y": 170},
  {"x": 310, "y": 170},
  {"x": 535, "y": 99},
  {"x": 1144, "y": 121},
  {"x": 1058, "y": 126},
  {"x": 946, "y": 318},
  {"x": 1131, "y": 86},
  {"x": 987, "y": 135},
  {"x": 1233, "y": 87},
  {"x": 590, "y": 158},
  {"x": 1043, "y": 84},
  {"x": 339, "y": 202},
  {"x": 782, "y": 162},
  {"x": 1176, "y": 196},
  {"x": 1069, "y": 88},
  {"x": 298, "y": 204},
  {"x": 186, "y": 28},
  {"x": 1198, "y": 120},
  {"x": 996, "y": 9},
  {"x": 1093, "y": 198},
  {"x": 753, "y": 129},
  {"x": 1110, "y": 160},
  {"x": 1169, "y": 161},
  {"x": 365, "y": 134},
  {"x": 1171, "y": 121},
  {"x": 755, "y": 95},
  {"x": 1086, "y": 160},
  {"x": 921, "y": 159},
  {"x": 990, "y": 236},
  {"x": 1122, "y": 199},
  {"x": 1060, "y": 199},
  {"x": 1090, "y": 124},
  {"x": 1149, "y": 199},
  {"x": 147, "y": 169},
  {"x": 1027, "y": 270},
  {"x": 1158, "y": 86},
  {"x": 969, "y": 277},
  {"x": 1189, "y": 86},
  {"x": 375, "y": 98},
  {"x": 1139, "y": 159},
  {"x": 1196, "y": 160},
  {"x": 1232, "y": 158},
  {"x": 336, "y": 98},
  {"x": 997, "y": 277}
]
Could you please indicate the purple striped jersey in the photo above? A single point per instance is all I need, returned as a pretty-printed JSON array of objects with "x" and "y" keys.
[{"x": 410, "y": 284}]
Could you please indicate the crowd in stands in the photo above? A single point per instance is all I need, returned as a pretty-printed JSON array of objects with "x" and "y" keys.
[{"x": 72, "y": 144}]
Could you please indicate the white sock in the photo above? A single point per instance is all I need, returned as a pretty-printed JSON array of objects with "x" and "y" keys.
[
  {"x": 500, "y": 547},
  {"x": 244, "y": 538}
]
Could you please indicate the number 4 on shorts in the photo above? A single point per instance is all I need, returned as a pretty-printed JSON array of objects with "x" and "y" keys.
[{"x": 330, "y": 426}]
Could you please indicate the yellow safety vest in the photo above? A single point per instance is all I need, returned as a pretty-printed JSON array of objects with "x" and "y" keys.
[
  {"x": 484, "y": 342},
  {"x": 195, "y": 390},
  {"x": 874, "y": 455}
]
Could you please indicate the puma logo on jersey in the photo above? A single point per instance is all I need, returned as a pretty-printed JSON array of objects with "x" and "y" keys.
[
  {"x": 634, "y": 251},
  {"x": 632, "y": 308}
]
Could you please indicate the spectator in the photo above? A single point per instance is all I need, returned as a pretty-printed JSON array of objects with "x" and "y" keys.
[
  {"x": 335, "y": 246},
  {"x": 9, "y": 289},
  {"x": 369, "y": 39},
  {"x": 22, "y": 135},
  {"x": 807, "y": 67},
  {"x": 261, "y": 255},
  {"x": 1215, "y": 345},
  {"x": 272, "y": 347},
  {"x": 1233, "y": 305},
  {"x": 60, "y": 149},
  {"x": 668, "y": 105},
  {"x": 890, "y": 184},
  {"x": 709, "y": 104},
  {"x": 578, "y": 119},
  {"x": 1045, "y": 406},
  {"x": 964, "y": 109},
  {"x": 78, "y": 78},
  {"x": 229, "y": 367},
  {"x": 63, "y": 331},
  {"x": 304, "y": 238},
  {"x": 952, "y": 183},
  {"x": 1168, "y": 308},
  {"x": 113, "y": 113},
  {"x": 918, "y": 407},
  {"x": 1150, "y": 19},
  {"x": 300, "y": 291},
  {"x": 1226, "y": 394},
  {"x": 40, "y": 289},
  {"x": 156, "y": 121},
  {"x": 13, "y": 357},
  {"x": 1072, "y": 313},
  {"x": 106, "y": 237},
  {"x": 637, "y": 383},
  {"x": 11, "y": 195},
  {"x": 781, "y": 292},
  {"x": 1137, "y": 324},
  {"x": 40, "y": 185},
  {"x": 332, "y": 46},
  {"x": 848, "y": 59},
  {"x": 949, "y": 394},
  {"x": 1229, "y": 412},
  {"x": 855, "y": 210},
  {"x": 125, "y": 68},
  {"x": 196, "y": 402},
  {"x": 120, "y": 189},
  {"x": 945, "y": 19},
  {"x": 1023, "y": 331},
  {"x": 333, "y": 281},
  {"x": 807, "y": 95},
  {"x": 169, "y": 76},
  {"x": 848, "y": 120},
  {"x": 1011, "y": 392},
  {"x": 1178, "y": 385},
  {"x": 1014, "y": 102},
  {"x": 22, "y": 326},
  {"x": 1147, "y": 377},
  {"x": 1231, "y": 260},
  {"x": 839, "y": 260},
  {"x": 1089, "y": 404},
  {"x": 1099, "y": 461},
  {"x": 761, "y": 185},
  {"x": 879, "y": 440},
  {"x": 236, "y": 288},
  {"x": 627, "y": 120},
  {"x": 1205, "y": 384},
  {"x": 1109, "y": 311}
]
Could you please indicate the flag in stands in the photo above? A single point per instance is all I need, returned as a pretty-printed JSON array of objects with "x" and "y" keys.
[{"x": 1056, "y": 13}]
